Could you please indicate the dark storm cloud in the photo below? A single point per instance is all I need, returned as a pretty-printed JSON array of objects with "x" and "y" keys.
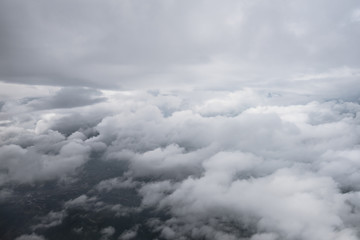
[{"x": 132, "y": 44}]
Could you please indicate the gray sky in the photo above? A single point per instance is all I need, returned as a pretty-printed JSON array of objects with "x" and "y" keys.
[
  {"x": 226, "y": 116},
  {"x": 172, "y": 44}
]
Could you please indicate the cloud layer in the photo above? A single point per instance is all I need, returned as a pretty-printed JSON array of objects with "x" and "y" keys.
[
  {"x": 179, "y": 120},
  {"x": 220, "y": 165},
  {"x": 204, "y": 44}
]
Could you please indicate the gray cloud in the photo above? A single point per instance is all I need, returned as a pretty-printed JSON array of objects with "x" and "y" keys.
[
  {"x": 236, "y": 120},
  {"x": 222, "y": 165},
  {"x": 30, "y": 237},
  {"x": 114, "y": 183},
  {"x": 68, "y": 98},
  {"x": 26, "y": 165},
  {"x": 50, "y": 220},
  {"x": 129, "y": 234},
  {"x": 264, "y": 165},
  {"x": 190, "y": 44},
  {"x": 107, "y": 232},
  {"x": 40, "y": 157}
]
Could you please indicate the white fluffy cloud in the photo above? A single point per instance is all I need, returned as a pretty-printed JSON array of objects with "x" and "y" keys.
[
  {"x": 39, "y": 157},
  {"x": 280, "y": 170},
  {"x": 222, "y": 165}
]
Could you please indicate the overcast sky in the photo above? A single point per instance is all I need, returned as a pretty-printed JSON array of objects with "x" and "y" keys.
[
  {"x": 179, "y": 44},
  {"x": 234, "y": 119}
]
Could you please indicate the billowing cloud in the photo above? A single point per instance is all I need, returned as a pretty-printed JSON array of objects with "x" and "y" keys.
[
  {"x": 29, "y": 157},
  {"x": 225, "y": 166},
  {"x": 179, "y": 120}
]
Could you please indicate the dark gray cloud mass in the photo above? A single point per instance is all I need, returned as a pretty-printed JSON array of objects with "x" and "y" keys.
[{"x": 179, "y": 120}]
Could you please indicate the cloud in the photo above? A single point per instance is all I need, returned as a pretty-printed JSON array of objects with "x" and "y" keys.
[
  {"x": 107, "y": 232},
  {"x": 170, "y": 162},
  {"x": 262, "y": 169},
  {"x": 129, "y": 234},
  {"x": 133, "y": 45},
  {"x": 50, "y": 220},
  {"x": 68, "y": 98},
  {"x": 214, "y": 120},
  {"x": 30, "y": 237},
  {"x": 213, "y": 165},
  {"x": 81, "y": 201},
  {"x": 40, "y": 162},
  {"x": 114, "y": 183},
  {"x": 293, "y": 206}
]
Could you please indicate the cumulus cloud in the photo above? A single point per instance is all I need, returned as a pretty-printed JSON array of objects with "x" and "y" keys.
[
  {"x": 305, "y": 207},
  {"x": 265, "y": 169},
  {"x": 41, "y": 157},
  {"x": 221, "y": 167},
  {"x": 235, "y": 120}
]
